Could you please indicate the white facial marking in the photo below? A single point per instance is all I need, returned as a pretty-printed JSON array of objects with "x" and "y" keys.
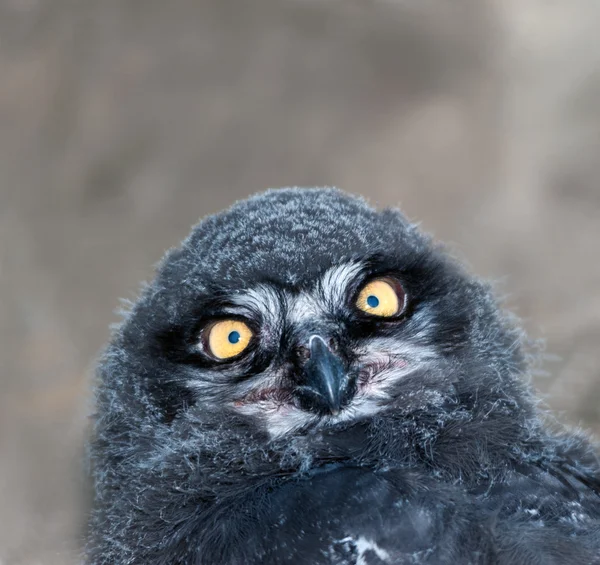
[
  {"x": 330, "y": 292},
  {"x": 262, "y": 299},
  {"x": 304, "y": 307},
  {"x": 280, "y": 419},
  {"x": 364, "y": 545},
  {"x": 335, "y": 282},
  {"x": 391, "y": 346}
]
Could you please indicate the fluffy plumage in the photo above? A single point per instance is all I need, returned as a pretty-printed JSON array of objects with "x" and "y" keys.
[{"x": 437, "y": 455}]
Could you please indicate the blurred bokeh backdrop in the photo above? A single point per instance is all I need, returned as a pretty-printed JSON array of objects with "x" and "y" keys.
[{"x": 124, "y": 121}]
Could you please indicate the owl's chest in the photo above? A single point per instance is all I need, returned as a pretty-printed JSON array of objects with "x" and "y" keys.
[{"x": 341, "y": 515}]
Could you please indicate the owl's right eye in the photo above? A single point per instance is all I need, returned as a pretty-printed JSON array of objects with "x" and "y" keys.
[{"x": 226, "y": 339}]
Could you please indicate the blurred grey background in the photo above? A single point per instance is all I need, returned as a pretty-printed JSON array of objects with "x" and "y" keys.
[{"x": 124, "y": 121}]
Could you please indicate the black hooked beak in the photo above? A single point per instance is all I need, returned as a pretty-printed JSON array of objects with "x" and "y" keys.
[{"x": 326, "y": 386}]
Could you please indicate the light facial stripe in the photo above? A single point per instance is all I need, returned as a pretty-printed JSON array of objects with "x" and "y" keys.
[
  {"x": 330, "y": 292},
  {"x": 304, "y": 307},
  {"x": 261, "y": 299},
  {"x": 336, "y": 281}
]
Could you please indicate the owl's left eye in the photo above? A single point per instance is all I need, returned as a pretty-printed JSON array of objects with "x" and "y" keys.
[
  {"x": 226, "y": 339},
  {"x": 381, "y": 297}
]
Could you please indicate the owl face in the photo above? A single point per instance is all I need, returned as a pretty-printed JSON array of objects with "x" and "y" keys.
[
  {"x": 342, "y": 313},
  {"x": 331, "y": 352}
]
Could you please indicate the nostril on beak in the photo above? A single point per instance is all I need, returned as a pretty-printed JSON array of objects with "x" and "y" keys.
[{"x": 303, "y": 353}]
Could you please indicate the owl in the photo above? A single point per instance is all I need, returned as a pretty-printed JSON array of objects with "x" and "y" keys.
[{"x": 309, "y": 380}]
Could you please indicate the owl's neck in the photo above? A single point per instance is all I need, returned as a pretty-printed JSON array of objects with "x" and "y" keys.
[{"x": 471, "y": 444}]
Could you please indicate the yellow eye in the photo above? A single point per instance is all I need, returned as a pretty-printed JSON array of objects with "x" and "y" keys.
[
  {"x": 228, "y": 338},
  {"x": 380, "y": 298}
]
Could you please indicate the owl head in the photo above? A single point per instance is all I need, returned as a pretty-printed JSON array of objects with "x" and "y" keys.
[{"x": 305, "y": 309}]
